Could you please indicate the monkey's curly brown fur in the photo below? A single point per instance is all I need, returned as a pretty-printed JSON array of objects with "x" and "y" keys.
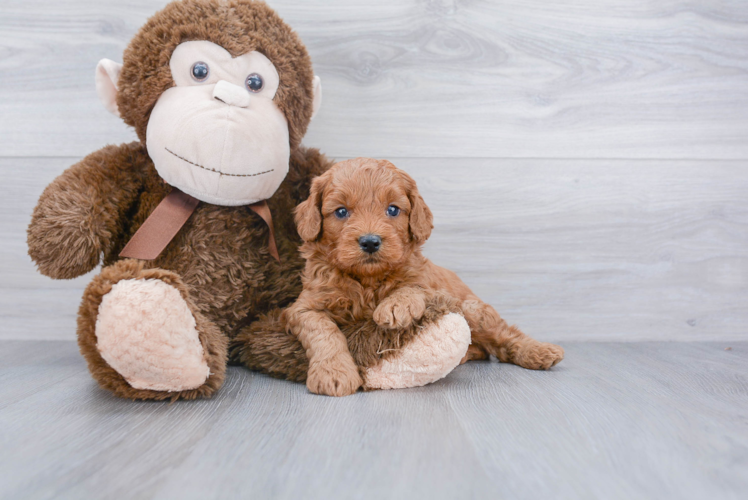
[{"x": 219, "y": 260}]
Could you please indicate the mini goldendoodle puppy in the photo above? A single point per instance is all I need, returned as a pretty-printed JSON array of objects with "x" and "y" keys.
[{"x": 363, "y": 226}]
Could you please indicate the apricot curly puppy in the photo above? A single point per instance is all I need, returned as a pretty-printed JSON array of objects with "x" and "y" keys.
[{"x": 363, "y": 226}]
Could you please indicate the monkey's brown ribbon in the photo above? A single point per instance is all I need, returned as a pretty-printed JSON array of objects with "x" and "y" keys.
[
  {"x": 262, "y": 209},
  {"x": 168, "y": 218}
]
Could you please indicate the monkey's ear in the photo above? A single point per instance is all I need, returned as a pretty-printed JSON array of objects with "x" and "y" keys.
[
  {"x": 421, "y": 219},
  {"x": 317, "y": 101},
  {"x": 107, "y": 76},
  {"x": 308, "y": 215}
]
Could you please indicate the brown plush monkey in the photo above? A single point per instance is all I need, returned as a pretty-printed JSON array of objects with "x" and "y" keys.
[{"x": 220, "y": 94}]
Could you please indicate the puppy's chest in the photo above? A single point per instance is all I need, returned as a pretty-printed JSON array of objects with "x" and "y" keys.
[{"x": 357, "y": 304}]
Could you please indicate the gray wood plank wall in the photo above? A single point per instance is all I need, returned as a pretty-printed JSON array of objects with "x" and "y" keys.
[{"x": 587, "y": 161}]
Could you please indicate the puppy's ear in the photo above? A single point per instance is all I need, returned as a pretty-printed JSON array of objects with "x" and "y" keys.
[
  {"x": 421, "y": 219},
  {"x": 308, "y": 215}
]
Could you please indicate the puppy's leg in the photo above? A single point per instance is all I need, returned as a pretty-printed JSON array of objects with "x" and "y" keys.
[
  {"x": 508, "y": 343},
  {"x": 332, "y": 370},
  {"x": 474, "y": 353},
  {"x": 401, "y": 308}
]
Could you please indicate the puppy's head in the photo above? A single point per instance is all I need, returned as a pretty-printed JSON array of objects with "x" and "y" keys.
[{"x": 365, "y": 215}]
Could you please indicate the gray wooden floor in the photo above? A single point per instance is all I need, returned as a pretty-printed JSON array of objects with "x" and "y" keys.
[{"x": 614, "y": 420}]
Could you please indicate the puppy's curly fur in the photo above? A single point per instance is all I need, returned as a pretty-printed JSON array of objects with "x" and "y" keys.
[{"x": 390, "y": 288}]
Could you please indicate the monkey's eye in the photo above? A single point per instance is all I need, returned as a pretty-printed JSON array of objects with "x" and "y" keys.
[
  {"x": 393, "y": 211},
  {"x": 341, "y": 213},
  {"x": 200, "y": 71},
  {"x": 254, "y": 82}
]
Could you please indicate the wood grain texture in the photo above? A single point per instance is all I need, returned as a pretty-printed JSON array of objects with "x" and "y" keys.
[
  {"x": 596, "y": 249},
  {"x": 441, "y": 78},
  {"x": 566, "y": 249},
  {"x": 615, "y": 421}
]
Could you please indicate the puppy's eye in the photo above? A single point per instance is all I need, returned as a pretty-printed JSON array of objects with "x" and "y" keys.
[
  {"x": 393, "y": 211},
  {"x": 200, "y": 71},
  {"x": 341, "y": 213},
  {"x": 254, "y": 82}
]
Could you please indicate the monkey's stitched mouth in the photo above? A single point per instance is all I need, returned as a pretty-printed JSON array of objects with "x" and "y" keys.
[{"x": 217, "y": 171}]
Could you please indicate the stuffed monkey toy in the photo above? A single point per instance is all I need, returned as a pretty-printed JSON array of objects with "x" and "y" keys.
[{"x": 193, "y": 224}]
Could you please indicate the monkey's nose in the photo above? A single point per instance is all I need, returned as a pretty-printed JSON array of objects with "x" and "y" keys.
[
  {"x": 370, "y": 243},
  {"x": 231, "y": 94}
]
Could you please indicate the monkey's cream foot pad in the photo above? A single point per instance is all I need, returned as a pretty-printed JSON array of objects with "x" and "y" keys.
[
  {"x": 146, "y": 331},
  {"x": 436, "y": 351}
]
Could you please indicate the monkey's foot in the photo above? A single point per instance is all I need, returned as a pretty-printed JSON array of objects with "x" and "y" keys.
[
  {"x": 435, "y": 352},
  {"x": 147, "y": 333}
]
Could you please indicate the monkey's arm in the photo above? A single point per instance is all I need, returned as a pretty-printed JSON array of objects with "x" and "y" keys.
[{"x": 81, "y": 212}]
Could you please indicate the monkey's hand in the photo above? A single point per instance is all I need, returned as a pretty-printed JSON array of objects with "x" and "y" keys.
[
  {"x": 80, "y": 212},
  {"x": 401, "y": 308}
]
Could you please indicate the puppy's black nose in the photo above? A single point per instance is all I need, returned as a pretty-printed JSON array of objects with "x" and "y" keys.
[{"x": 370, "y": 243}]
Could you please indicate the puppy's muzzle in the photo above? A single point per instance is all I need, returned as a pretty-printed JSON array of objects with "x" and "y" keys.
[{"x": 370, "y": 243}]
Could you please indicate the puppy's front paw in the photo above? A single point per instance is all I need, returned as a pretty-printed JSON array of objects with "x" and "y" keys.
[
  {"x": 336, "y": 376},
  {"x": 399, "y": 313}
]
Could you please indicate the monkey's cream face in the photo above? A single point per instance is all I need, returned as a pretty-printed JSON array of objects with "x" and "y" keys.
[{"x": 217, "y": 135}]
